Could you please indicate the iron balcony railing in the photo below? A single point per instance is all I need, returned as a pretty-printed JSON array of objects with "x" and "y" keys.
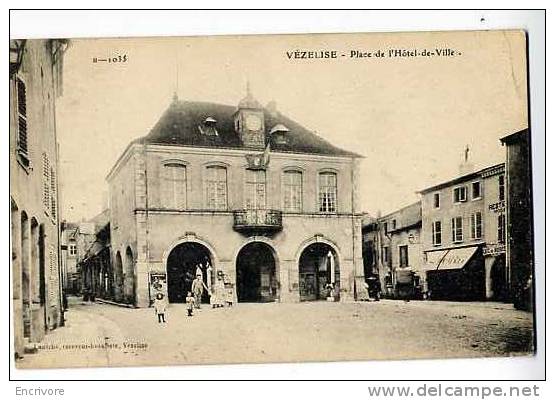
[{"x": 257, "y": 220}]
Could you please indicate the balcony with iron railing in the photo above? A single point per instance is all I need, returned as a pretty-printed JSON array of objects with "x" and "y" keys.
[{"x": 257, "y": 221}]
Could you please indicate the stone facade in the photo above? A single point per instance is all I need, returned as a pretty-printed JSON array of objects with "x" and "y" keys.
[
  {"x": 145, "y": 229},
  {"x": 520, "y": 249},
  {"x": 35, "y": 75},
  {"x": 467, "y": 213}
]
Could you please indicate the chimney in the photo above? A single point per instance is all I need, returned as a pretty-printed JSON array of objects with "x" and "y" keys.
[{"x": 466, "y": 166}]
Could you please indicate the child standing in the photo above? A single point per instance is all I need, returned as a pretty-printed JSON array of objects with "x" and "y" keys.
[
  {"x": 189, "y": 302},
  {"x": 160, "y": 305}
]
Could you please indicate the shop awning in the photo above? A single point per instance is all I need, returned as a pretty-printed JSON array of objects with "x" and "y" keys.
[{"x": 449, "y": 259}]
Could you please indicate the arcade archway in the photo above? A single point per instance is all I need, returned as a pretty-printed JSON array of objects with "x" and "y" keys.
[
  {"x": 256, "y": 273},
  {"x": 318, "y": 269},
  {"x": 184, "y": 262}
]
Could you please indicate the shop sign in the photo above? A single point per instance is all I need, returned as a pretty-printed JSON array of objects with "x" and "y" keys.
[
  {"x": 498, "y": 207},
  {"x": 494, "y": 250}
]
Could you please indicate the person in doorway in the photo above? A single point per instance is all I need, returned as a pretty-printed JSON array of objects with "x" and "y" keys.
[
  {"x": 229, "y": 295},
  {"x": 160, "y": 306},
  {"x": 219, "y": 290},
  {"x": 189, "y": 303},
  {"x": 197, "y": 288}
]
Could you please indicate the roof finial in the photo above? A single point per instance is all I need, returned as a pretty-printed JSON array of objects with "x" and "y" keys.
[
  {"x": 466, "y": 151},
  {"x": 249, "y": 94}
]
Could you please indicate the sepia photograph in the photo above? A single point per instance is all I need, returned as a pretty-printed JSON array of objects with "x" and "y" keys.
[{"x": 237, "y": 199}]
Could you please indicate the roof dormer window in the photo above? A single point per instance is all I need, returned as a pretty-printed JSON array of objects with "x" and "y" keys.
[
  {"x": 208, "y": 127},
  {"x": 279, "y": 132}
]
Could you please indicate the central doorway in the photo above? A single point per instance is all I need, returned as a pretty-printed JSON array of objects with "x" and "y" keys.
[
  {"x": 318, "y": 268},
  {"x": 183, "y": 262},
  {"x": 256, "y": 274}
]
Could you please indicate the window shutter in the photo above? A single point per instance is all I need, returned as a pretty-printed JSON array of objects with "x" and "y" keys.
[
  {"x": 53, "y": 193},
  {"x": 22, "y": 118},
  {"x": 46, "y": 181}
]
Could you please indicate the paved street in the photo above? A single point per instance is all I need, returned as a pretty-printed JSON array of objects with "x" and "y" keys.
[{"x": 118, "y": 336}]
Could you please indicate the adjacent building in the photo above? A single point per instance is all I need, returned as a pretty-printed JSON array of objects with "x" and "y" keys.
[
  {"x": 239, "y": 193},
  {"x": 94, "y": 262},
  {"x": 71, "y": 280},
  {"x": 464, "y": 235},
  {"x": 35, "y": 82},
  {"x": 519, "y": 206},
  {"x": 400, "y": 248}
]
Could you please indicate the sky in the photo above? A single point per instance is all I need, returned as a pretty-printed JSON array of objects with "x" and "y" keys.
[{"x": 410, "y": 117}]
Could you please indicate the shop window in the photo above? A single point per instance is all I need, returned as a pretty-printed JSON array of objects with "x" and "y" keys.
[{"x": 457, "y": 229}]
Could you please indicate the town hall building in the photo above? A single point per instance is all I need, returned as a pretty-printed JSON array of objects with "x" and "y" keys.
[{"x": 241, "y": 194}]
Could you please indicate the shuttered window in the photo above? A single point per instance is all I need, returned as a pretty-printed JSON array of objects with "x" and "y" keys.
[
  {"x": 46, "y": 184},
  {"x": 174, "y": 186},
  {"x": 216, "y": 187},
  {"x": 327, "y": 191},
  {"x": 22, "y": 143},
  {"x": 292, "y": 191},
  {"x": 53, "y": 193}
]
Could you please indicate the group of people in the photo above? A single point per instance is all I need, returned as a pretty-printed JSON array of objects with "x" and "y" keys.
[{"x": 219, "y": 297}]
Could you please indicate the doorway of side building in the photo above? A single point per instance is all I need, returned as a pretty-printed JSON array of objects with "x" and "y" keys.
[
  {"x": 182, "y": 265},
  {"x": 318, "y": 267},
  {"x": 256, "y": 274}
]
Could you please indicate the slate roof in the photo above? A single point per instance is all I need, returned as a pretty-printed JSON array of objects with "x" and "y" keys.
[{"x": 179, "y": 125}]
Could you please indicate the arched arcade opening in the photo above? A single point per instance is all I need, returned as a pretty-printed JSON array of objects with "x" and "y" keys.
[
  {"x": 256, "y": 273},
  {"x": 185, "y": 261},
  {"x": 318, "y": 269}
]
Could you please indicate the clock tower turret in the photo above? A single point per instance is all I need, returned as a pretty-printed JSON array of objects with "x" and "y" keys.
[{"x": 249, "y": 121}]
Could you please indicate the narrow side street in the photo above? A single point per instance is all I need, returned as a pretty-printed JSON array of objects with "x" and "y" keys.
[{"x": 106, "y": 335}]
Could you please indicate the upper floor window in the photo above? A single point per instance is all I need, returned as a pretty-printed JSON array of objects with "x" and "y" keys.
[
  {"x": 327, "y": 190},
  {"x": 403, "y": 256},
  {"x": 216, "y": 187},
  {"x": 436, "y": 233},
  {"x": 22, "y": 142},
  {"x": 437, "y": 201},
  {"x": 476, "y": 190},
  {"x": 459, "y": 194},
  {"x": 293, "y": 191},
  {"x": 385, "y": 254},
  {"x": 72, "y": 249},
  {"x": 501, "y": 187},
  {"x": 501, "y": 228},
  {"x": 46, "y": 184},
  {"x": 457, "y": 229},
  {"x": 385, "y": 227},
  {"x": 255, "y": 187},
  {"x": 393, "y": 224},
  {"x": 476, "y": 225},
  {"x": 53, "y": 194},
  {"x": 174, "y": 185}
]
